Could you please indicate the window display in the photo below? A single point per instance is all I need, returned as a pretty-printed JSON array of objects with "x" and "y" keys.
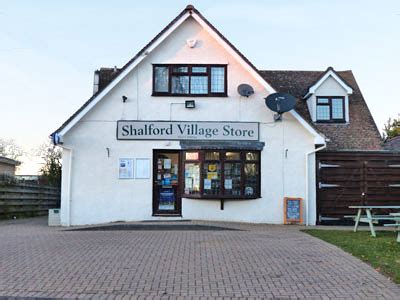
[{"x": 224, "y": 174}]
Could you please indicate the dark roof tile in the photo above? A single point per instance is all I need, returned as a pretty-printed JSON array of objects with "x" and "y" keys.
[
  {"x": 392, "y": 144},
  {"x": 360, "y": 134}
]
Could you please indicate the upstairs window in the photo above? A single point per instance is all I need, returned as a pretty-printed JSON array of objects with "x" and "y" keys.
[
  {"x": 190, "y": 80},
  {"x": 330, "y": 109}
]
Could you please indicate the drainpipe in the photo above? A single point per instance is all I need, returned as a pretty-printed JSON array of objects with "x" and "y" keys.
[
  {"x": 307, "y": 204},
  {"x": 69, "y": 184}
]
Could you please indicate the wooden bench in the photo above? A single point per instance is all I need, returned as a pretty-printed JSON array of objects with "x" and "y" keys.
[{"x": 373, "y": 219}]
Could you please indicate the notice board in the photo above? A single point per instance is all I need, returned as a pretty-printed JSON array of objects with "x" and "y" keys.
[{"x": 293, "y": 211}]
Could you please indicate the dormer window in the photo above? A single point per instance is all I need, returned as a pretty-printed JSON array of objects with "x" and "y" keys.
[
  {"x": 190, "y": 80},
  {"x": 330, "y": 109}
]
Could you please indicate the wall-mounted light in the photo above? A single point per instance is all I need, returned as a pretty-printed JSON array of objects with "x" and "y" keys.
[
  {"x": 191, "y": 43},
  {"x": 124, "y": 98},
  {"x": 190, "y": 104}
]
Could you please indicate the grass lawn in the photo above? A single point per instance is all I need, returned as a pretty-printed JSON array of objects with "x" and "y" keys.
[{"x": 382, "y": 252}]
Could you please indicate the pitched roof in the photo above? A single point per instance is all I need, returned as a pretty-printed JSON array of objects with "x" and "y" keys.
[
  {"x": 9, "y": 161},
  {"x": 360, "y": 134},
  {"x": 393, "y": 144},
  {"x": 121, "y": 73},
  {"x": 188, "y": 9},
  {"x": 330, "y": 71}
]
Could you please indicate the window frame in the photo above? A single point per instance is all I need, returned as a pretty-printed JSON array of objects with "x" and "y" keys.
[
  {"x": 190, "y": 74},
  {"x": 222, "y": 160},
  {"x": 329, "y": 104}
]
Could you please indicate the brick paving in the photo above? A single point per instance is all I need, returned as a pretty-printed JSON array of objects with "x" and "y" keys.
[{"x": 257, "y": 261}]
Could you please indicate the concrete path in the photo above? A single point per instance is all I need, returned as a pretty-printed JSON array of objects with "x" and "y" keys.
[{"x": 252, "y": 261}]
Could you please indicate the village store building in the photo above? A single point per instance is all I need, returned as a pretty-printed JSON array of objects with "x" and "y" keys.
[{"x": 168, "y": 134}]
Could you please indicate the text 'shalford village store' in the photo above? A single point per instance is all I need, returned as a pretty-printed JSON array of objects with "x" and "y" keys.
[{"x": 170, "y": 134}]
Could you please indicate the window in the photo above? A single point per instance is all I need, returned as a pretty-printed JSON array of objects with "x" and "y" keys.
[
  {"x": 222, "y": 174},
  {"x": 330, "y": 109},
  {"x": 189, "y": 80}
]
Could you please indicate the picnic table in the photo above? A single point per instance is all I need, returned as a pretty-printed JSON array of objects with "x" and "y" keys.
[{"x": 371, "y": 219}]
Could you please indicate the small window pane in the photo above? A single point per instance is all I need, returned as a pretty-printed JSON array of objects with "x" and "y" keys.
[
  {"x": 232, "y": 179},
  {"x": 251, "y": 156},
  {"x": 212, "y": 155},
  {"x": 217, "y": 79},
  {"x": 180, "y": 85},
  {"x": 211, "y": 178},
  {"x": 323, "y": 100},
  {"x": 323, "y": 112},
  {"x": 250, "y": 180},
  {"x": 161, "y": 79},
  {"x": 232, "y": 155},
  {"x": 199, "y": 85},
  {"x": 180, "y": 69},
  {"x": 337, "y": 108},
  {"x": 192, "y": 178},
  {"x": 199, "y": 69}
]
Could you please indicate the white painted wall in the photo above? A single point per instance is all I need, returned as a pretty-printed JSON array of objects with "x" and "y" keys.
[
  {"x": 96, "y": 195},
  {"x": 330, "y": 87}
]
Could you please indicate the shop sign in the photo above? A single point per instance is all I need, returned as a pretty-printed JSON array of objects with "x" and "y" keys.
[{"x": 187, "y": 130}]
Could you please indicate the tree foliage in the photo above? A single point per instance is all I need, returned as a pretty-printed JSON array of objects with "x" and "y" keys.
[
  {"x": 51, "y": 170},
  {"x": 392, "y": 128},
  {"x": 10, "y": 149}
]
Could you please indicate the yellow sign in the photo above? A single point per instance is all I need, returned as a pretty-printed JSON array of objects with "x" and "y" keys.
[
  {"x": 212, "y": 167},
  {"x": 212, "y": 175}
]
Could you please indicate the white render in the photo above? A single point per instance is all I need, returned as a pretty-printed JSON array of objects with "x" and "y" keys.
[{"x": 91, "y": 190}]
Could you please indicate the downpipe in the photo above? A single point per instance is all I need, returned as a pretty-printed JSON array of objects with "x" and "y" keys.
[{"x": 307, "y": 201}]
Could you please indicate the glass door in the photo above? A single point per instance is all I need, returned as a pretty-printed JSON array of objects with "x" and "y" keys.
[{"x": 166, "y": 182}]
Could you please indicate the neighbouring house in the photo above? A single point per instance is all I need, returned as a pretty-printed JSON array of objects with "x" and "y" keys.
[
  {"x": 170, "y": 135},
  {"x": 8, "y": 166},
  {"x": 393, "y": 144}
]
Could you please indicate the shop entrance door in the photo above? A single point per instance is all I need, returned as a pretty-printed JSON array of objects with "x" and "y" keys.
[{"x": 166, "y": 183}]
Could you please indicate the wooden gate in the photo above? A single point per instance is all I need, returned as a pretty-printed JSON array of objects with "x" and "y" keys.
[{"x": 355, "y": 178}]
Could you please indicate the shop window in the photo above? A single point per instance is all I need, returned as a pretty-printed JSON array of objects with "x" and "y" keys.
[
  {"x": 330, "y": 109},
  {"x": 192, "y": 179},
  {"x": 192, "y": 80},
  {"x": 224, "y": 174}
]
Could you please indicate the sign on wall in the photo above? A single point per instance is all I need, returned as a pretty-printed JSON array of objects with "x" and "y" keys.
[
  {"x": 293, "y": 211},
  {"x": 125, "y": 168},
  {"x": 142, "y": 168},
  {"x": 187, "y": 130}
]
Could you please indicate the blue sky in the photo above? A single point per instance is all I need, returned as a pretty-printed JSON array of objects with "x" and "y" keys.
[{"x": 49, "y": 49}]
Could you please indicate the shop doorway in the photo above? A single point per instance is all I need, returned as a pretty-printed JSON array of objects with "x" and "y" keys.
[{"x": 166, "y": 183}]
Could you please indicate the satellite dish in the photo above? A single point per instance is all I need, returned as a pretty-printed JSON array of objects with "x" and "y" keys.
[
  {"x": 245, "y": 90},
  {"x": 280, "y": 103}
]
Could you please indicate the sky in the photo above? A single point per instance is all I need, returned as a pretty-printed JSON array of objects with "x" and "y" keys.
[{"x": 50, "y": 49}]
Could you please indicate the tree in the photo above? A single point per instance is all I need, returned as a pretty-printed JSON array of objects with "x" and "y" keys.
[
  {"x": 51, "y": 170},
  {"x": 9, "y": 149},
  {"x": 392, "y": 128}
]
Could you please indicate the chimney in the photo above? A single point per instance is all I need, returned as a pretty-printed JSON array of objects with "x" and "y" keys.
[{"x": 96, "y": 80}]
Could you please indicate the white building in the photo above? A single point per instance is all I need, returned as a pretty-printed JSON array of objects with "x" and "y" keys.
[{"x": 137, "y": 150}]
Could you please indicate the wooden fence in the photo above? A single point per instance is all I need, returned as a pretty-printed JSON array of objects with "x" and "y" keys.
[
  {"x": 27, "y": 200},
  {"x": 356, "y": 178}
]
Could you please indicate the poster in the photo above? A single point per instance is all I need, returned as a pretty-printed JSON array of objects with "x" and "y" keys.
[
  {"x": 142, "y": 168},
  {"x": 125, "y": 168},
  {"x": 212, "y": 175},
  {"x": 207, "y": 184},
  {"x": 228, "y": 184},
  {"x": 167, "y": 163},
  {"x": 189, "y": 183}
]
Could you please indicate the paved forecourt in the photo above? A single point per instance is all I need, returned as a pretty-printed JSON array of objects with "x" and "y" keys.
[{"x": 196, "y": 260}]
